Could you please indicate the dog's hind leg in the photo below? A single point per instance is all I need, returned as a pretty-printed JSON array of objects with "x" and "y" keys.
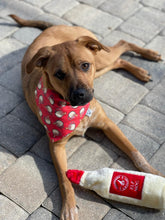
[
  {"x": 123, "y": 46},
  {"x": 138, "y": 72},
  {"x": 146, "y": 53},
  {"x": 110, "y": 61}
]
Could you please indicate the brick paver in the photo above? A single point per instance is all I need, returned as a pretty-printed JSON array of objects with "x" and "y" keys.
[
  {"x": 12, "y": 59},
  {"x": 114, "y": 214},
  {"x": 13, "y": 75},
  {"x": 145, "y": 24},
  {"x": 93, "y": 19},
  {"x": 19, "y": 7},
  {"x": 60, "y": 7},
  {"x": 157, "y": 158},
  {"x": 42, "y": 214},
  {"x": 96, "y": 155},
  {"x": 9, "y": 45},
  {"x": 24, "y": 113},
  {"x": 6, "y": 29},
  {"x": 90, "y": 205},
  {"x": 17, "y": 136},
  {"x": 117, "y": 35},
  {"x": 159, "y": 4},
  {"x": 147, "y": 121},
  {"x": 120, "y": 8},
  {"x": 28, "y": 182},
  {"x": 156, "y": 44},
  {"x": 8, "y": 100},
  {"x": 9, "y": 210},
  {"x": 6, "y": 159},
  {"x": 118, "y": 90},
  {"x": 155, "y": 99},
  {"x": 26, "y": 35}
]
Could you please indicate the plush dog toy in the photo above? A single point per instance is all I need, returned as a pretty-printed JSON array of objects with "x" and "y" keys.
[{"x": 130, "y": 187}]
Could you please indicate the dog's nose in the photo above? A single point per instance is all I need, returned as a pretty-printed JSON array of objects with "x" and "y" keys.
[{"x": 80, "y": 96}]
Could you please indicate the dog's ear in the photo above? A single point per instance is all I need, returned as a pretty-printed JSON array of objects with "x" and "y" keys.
[
  {"x": 39, "y": 59},
  {"x": 92, "y": 44}
]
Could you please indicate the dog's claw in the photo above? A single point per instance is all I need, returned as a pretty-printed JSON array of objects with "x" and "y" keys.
[{"x": 77, "y": 207}]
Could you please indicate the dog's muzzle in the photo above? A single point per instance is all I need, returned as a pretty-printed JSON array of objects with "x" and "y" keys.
[{"x": 80, "y": 96}]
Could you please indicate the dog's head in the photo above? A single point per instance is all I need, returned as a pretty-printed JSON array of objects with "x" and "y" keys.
[{"x": 69, "y": 68}]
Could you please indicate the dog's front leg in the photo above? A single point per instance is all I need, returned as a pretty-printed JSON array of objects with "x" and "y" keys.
[
  {"x": 69, "y": 210},
  {"x": 111, "y": 130}
]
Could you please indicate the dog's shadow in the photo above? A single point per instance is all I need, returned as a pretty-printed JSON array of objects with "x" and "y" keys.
[
  {"x": 154, "y": 68},
  {"x": 23, "y": 136}
]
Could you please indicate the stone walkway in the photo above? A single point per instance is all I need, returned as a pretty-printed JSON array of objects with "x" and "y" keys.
[{"x": 28, "y": 182}]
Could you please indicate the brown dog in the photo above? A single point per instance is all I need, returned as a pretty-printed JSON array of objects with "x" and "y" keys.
[{"x": 68, "y": 59}]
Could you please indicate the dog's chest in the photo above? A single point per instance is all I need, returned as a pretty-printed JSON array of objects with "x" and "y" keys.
[
  {"x": 85, "y": 123},
  {"x": 82, "y": 127}
]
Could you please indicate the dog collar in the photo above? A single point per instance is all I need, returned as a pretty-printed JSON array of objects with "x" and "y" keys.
[{"x": 58, "y": 116}]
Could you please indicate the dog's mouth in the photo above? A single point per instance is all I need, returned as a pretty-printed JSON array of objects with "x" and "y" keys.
[{"x": 80, "y": 96}]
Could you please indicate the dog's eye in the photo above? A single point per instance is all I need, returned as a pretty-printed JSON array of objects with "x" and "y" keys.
[
  {"x": 60, "y": 74},
  {"x": 85, "y": 66}
]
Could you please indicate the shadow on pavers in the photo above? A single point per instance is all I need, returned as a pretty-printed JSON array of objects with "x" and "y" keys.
[
  {"x": 10, "y": 60},
  {"x": 155, "y": 69},
  {"x": 17, "y": 124}
]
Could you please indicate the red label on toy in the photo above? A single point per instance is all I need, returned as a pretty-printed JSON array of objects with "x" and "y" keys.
[{"x": 125, "y": 184}]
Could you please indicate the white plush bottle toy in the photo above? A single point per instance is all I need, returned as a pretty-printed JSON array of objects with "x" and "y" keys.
[{"x": 130, "y": 187}]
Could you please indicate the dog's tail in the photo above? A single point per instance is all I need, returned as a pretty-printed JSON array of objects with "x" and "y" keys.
[{"x": 31, "y": 23}]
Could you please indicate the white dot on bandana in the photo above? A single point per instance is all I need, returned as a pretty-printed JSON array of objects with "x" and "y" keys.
[
  {"x": 82, "y": 111},
  {"x": 35, "y": 92},
  {"x": 40, "y": 98},
  {"x": 49, "y": 108},
  {"x": 59, "y": 114},
  {"x": 40, "y": 112},
  {"x": 51, "y": 101},
  {"x": 72, "y": 115},
  {"x": 55, "y": 132},
  {"x": 47, "y": 120},
  {"x": 39, "y": 85},
  {"x": 59, "y": 123},
  {"x": 45, "y": 90},
  {"x": 71, "y": 127}
]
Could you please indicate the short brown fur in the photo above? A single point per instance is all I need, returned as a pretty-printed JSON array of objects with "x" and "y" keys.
[{"x": 65, "y": 47}]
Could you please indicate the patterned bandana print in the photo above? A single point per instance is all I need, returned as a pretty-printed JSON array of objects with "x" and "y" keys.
[{"x": 58, "y": 116}]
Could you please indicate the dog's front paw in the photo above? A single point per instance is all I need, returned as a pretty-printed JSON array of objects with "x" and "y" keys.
[{"x": 69, "y": 212}]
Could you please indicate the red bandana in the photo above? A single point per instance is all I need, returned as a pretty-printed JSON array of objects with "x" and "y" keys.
[{"x": 58, "y": 116}]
